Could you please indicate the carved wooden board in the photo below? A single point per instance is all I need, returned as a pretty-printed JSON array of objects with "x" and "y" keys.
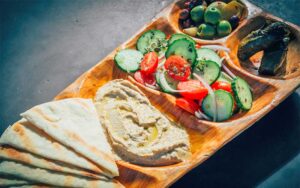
[{"x": 205, "y": 137}]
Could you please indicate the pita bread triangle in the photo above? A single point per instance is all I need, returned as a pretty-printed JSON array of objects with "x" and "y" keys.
[
  {"x": 74, "y": 123},
  {"x": 24, "y": 136},
  {"x": 48, "y": 177},
  {"x": 12, "y": 181},
  {"x": 9, "y": 153}
]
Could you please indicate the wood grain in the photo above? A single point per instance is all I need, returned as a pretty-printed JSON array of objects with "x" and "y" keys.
[{"x": 205, "y": 137}]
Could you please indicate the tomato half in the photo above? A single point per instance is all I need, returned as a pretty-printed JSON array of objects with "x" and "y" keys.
[
  {"x": 144, "y": 79},
  {"x": 221, "y": 85},
  {"x": 188, "y": 105},
  {"x": 178, "y": 68},
  {"x": 149, "y": 63},
  {"x": 193, "y": 89}
]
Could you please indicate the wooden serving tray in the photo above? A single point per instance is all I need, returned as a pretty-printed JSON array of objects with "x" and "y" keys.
[{"x": 205, "y": 137}]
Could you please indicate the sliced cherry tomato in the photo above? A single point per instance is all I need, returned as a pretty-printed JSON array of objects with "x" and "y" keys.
[
  {"x": 193, "y": 89},
  {"x": 149, "y": 63},
  {"x": 221, "y": 85},
  {"x": 198, "y": 45},
  {"x": 178, "y": 68},
  {"x": 144, "y": 79},
  {"x": 187, "y": 105}
]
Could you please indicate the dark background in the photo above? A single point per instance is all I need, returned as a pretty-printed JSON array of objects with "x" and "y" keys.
[{"x": 46, "y": 45}]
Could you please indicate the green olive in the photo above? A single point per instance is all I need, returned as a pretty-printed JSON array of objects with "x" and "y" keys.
[
  {"x": 197, "y": 13},
  {"x": 212, "y": 15},
  {"x": 220, "y": 5},
  {"x": 224, "y": 28},
  {"x": 206, "y": 31}
]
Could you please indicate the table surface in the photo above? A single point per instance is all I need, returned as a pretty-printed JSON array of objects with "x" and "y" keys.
[{"x": 46, "y": 45}]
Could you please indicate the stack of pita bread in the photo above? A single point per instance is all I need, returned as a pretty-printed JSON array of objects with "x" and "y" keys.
[{"x": 57, "y": 144}]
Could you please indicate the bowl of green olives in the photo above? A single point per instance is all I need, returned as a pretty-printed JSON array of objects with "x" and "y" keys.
[{"x": 210, "y": 19}]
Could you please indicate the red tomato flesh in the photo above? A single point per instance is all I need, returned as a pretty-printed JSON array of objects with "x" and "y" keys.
[
  {"x": 194, "y": 89},
  {"x": 149, "y": 63},
  {"x": 222, "y": 85},
  {"x": 144, "y": 79},
  {"x": 187, "y": 104},
  {"x": 178, "y": 68},
  {"x": 198, "y": 46}
]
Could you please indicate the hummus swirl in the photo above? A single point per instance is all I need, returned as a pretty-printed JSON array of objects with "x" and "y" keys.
[{"x": 138, "y": 132}]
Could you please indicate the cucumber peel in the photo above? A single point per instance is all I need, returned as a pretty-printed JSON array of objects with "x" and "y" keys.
[
  {"x": 152, "y": 41},
  {"x": 208, "y": 70},
  {"x": 208, "y": 54},
  {"x": 167, "y": 84},
  {"x": 177, "y": 36},
  {"x": 224, "y": 77},
  {"x": 184, "y": 48},
  {"x": 242, "y": 93},
  {"x": 128, "y": 60},
  {"x": 224, "y": 102}
]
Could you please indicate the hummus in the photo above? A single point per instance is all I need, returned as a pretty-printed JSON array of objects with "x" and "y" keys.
[{"x": 138, "y": 132}]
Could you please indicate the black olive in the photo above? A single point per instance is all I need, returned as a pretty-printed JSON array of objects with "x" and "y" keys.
[
  {"x": 187, "y": 23},
  {"x": 234, "y": 21},
  {"x": 197, "y": 2},
  {"x": 184, "y": 14},
  {"x": 210, "y": 1},
  {"x": 187, "y": 4}
]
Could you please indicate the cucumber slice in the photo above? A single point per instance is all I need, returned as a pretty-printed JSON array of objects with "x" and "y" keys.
[
  {"x": 224, "y": 102},
  {"x": 152, "y": 40},
  {"x": 177, "y": 36},
  {"x": 184, "y": 48},
  {"x": 168, "y": 84},
  {"x": 128, "y": 60},
  {"x": 208, "y": 54},
  {"x": 157, "y": 78},
  {"x": 208, "y": 70},
  {"x": 242, "y": 93},
  {"x": 224, "y": 77}
]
